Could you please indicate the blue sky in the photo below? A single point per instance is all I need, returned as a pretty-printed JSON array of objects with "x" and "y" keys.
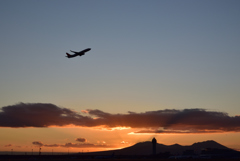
[
  {"x": 152, "y": 54},
  {"x": 146, "y": 55}
]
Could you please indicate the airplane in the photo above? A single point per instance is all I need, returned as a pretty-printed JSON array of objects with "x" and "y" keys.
[{"x": 80, "y": 53}]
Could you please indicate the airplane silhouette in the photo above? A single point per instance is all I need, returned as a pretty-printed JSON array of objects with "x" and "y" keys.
[{"x": 80, "y": 53}]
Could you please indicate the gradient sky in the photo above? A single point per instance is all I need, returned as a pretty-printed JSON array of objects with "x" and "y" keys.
[{"x": 146, "y": 56}]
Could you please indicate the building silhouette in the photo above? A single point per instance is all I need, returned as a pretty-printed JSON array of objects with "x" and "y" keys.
[{"x": 154, "y": 150}]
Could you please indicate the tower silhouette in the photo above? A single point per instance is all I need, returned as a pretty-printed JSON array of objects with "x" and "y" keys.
[{"x": 154, "y": 142}]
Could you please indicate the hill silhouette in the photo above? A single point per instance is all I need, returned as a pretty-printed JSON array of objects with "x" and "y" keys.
[{"x": 145, "y": 148}]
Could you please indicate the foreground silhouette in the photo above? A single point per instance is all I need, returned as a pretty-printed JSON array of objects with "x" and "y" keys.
[
  {"x": 80, "y": 53},
  {"x": 142, "y": 151}
]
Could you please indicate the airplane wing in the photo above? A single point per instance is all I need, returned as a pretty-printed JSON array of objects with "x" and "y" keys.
[{"x": 74, "y": 52}]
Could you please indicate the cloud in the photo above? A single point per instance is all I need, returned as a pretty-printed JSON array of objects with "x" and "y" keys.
[
  {"x": 8, "y": 145},
  {"x": 39, "y": 115},
  {"x": 173, "y": 131},
  {"x": 71, "y": 145},
  {"x": 172, "y": 121},
  {"x": 161, "y": 121},
  {"x": 82, "y": 140},
  {"x": 85, "y": 145},
  {"x": 37, "y": 143}
]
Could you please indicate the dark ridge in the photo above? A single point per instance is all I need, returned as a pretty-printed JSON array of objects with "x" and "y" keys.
[
  {"x": 145, "y": 148},
  {"x": 209, "y": 144}
]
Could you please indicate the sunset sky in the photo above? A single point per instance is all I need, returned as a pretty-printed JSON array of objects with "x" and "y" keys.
[{"x": 168, "y": 69}]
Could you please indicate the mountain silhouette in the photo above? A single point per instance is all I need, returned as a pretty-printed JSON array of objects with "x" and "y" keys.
[{"x": 145, "y": 148}]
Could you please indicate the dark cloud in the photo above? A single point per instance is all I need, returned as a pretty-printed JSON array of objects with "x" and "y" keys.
[
  {"x": 172, "y": 121},
  {"x": 82, "y": 140},
  {"x": 37, "y": 143},
  {"x": 8, "y": 145},
  {"x": 39, "y": 115},
  {"x": 161, "y": 121}
]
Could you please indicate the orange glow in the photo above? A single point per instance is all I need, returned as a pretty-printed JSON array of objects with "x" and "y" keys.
[
  {"x": 114, "y": 128},
  {"x": 100, "y": 138}
]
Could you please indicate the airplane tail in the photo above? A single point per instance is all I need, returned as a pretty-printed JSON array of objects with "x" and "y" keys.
[{"x": 68, "y": 54}]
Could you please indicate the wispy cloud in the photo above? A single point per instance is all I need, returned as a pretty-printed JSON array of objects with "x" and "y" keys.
[
  {"x": 8, "y": 145},
  {"x": 71, "y": 145},
  {"x": 161, "y": 121}
]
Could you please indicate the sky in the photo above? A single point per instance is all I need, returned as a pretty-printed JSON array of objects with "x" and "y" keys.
[{"x": 167, "y": 69}]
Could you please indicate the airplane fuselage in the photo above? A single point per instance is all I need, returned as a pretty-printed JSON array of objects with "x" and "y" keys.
[{"x": 86, "y": 50}]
